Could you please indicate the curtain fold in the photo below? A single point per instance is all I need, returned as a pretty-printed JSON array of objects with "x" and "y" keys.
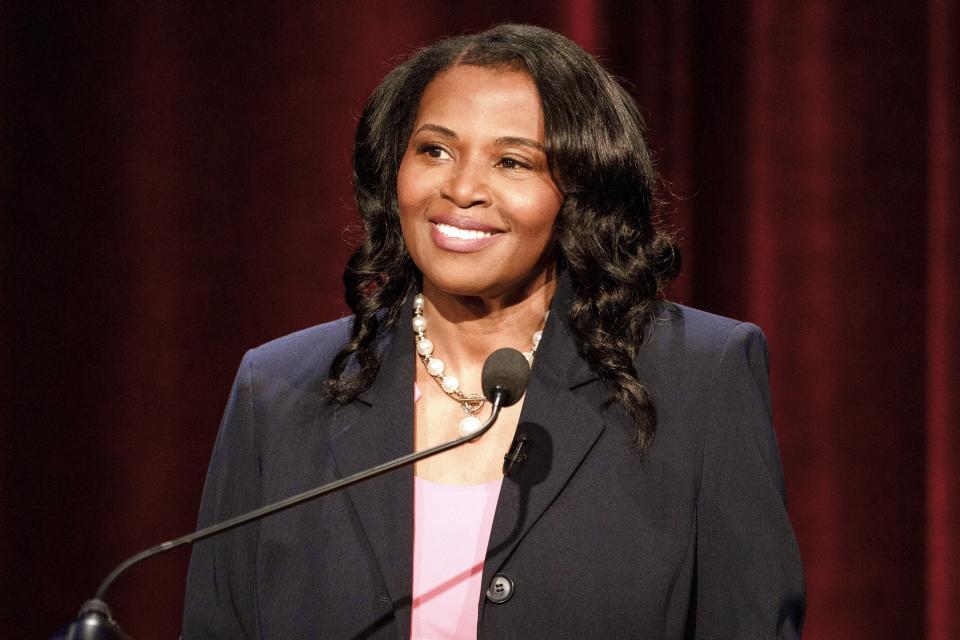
[{"x": 943, "y": 318}]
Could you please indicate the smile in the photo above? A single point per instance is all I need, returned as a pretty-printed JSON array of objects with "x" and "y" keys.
[
  {"x": 450, "y": 237},
  {"x": 451, "y": 231}
]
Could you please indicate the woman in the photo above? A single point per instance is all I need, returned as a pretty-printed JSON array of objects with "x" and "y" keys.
[{"x": 507, "y": 193}]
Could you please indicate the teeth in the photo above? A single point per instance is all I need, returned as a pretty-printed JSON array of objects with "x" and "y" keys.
[{"x": 463, "y": 234}]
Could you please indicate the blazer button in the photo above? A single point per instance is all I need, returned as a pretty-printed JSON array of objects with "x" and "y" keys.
[{"x": 501, "y": 589}]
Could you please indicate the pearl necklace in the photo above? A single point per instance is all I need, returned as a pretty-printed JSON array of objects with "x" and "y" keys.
[{"x": 449, "y": 384}]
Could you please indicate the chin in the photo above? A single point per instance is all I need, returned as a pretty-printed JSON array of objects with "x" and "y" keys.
[
  {"x": 462, "y": 287},
  {"x": 482, "y": 286}
]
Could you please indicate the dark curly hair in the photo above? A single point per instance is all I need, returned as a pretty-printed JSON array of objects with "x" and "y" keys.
[{"x": 607, "y": 236}]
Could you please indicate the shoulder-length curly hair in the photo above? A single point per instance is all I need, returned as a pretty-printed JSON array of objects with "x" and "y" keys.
[{"x": 607, "y": 238}]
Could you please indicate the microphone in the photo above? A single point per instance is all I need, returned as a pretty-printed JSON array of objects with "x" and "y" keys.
[
  {"x": 504, "y": 379},
  {"x": 515, "y": 455},
  {"x": 506, "y": 371}
]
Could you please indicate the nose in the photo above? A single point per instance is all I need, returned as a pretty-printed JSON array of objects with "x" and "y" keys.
[{"x": 466, "y": 186}]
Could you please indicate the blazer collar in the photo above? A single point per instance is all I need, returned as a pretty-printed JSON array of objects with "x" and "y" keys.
[{"x": 557, "y": 357}]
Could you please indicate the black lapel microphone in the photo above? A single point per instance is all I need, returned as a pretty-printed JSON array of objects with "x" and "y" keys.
[
  {"x": 516, "y": 455},
  {"x": 504, "y": 380}
]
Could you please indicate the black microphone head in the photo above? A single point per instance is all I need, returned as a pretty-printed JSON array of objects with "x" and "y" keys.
[{"x": 508, "y": 370}]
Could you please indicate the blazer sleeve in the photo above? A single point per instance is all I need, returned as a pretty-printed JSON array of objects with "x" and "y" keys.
[
  {"x": 220, "y": 593},
  {"x": 749, "y": 577}
]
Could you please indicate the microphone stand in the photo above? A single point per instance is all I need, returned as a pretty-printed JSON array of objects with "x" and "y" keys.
[{"x": 95, "y": 621}]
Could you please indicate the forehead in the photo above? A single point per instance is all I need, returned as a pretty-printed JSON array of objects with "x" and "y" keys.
[{"x": 471, "y": 99}]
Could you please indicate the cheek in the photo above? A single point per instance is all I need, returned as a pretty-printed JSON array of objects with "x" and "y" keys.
[
  {"x": 410, "y": 196},
  {"x": 406, "y": 185},
  {"x": 537, "y": 212},
  {"x": 413, "y": 197}
]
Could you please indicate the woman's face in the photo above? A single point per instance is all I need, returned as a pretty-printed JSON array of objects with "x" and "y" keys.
[{"x": 477, "y": 201}]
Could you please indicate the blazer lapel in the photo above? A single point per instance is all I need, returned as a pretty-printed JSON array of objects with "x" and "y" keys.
[
  {"x": 376, "y": 427},
  {"x": 560, "y": 427}
]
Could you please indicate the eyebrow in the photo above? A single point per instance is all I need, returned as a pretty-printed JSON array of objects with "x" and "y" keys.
[
  {"x": 447, "y": 133},
  {"x": 524, "y": 142},
  {"x": 503, "y": 140}
]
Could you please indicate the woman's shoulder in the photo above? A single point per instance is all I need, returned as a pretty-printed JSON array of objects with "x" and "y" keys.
[
  {"x": 683, "y": 331},
  {"x": 694, "y": 358},
  {"x": 304, "y": 352}
]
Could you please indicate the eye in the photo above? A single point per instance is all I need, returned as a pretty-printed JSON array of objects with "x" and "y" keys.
[
  {"x": 509, "y": 162},
  {"x": 434, "y": 151}
]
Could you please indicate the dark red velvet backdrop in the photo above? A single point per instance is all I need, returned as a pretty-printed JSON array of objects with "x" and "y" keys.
[{"x": 175, "y": 186}]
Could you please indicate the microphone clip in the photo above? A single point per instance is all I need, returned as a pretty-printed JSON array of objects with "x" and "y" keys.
[{"x": 516, "y": 455}]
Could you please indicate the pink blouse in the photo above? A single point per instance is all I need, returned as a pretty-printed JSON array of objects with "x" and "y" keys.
[{"x": 451, "y": 529}]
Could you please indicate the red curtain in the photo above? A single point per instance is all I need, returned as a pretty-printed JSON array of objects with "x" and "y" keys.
[
  {"x": 943, "y": 317},
  {"x": 175, "y": 186}
]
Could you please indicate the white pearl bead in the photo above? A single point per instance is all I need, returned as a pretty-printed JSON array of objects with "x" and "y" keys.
[
  {"x": 450, "y": 384},
  {"x": 418, "y": 302},
  {"x": 419, "y": 324},
  {"x": 425, "y": 347},
  {"x": 470, "y": 425},
  {"x": 435, "y": 367},
  {"x": 536, "y": 338}
]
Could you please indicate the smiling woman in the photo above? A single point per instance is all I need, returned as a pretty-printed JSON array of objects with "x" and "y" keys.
[{"x": 507, "y": 193}]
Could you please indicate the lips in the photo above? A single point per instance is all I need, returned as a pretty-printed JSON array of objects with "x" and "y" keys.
[{"x": 461, "y": 234}]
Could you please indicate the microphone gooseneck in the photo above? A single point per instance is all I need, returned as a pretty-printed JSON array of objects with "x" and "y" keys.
[{"x": 504, "y": 380}]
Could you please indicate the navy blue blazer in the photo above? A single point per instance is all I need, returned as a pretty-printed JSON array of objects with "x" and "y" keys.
[{"x": 690, "y": 541}]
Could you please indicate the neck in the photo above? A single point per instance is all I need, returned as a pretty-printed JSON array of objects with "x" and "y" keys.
[{"x": 466, "y": 329}]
